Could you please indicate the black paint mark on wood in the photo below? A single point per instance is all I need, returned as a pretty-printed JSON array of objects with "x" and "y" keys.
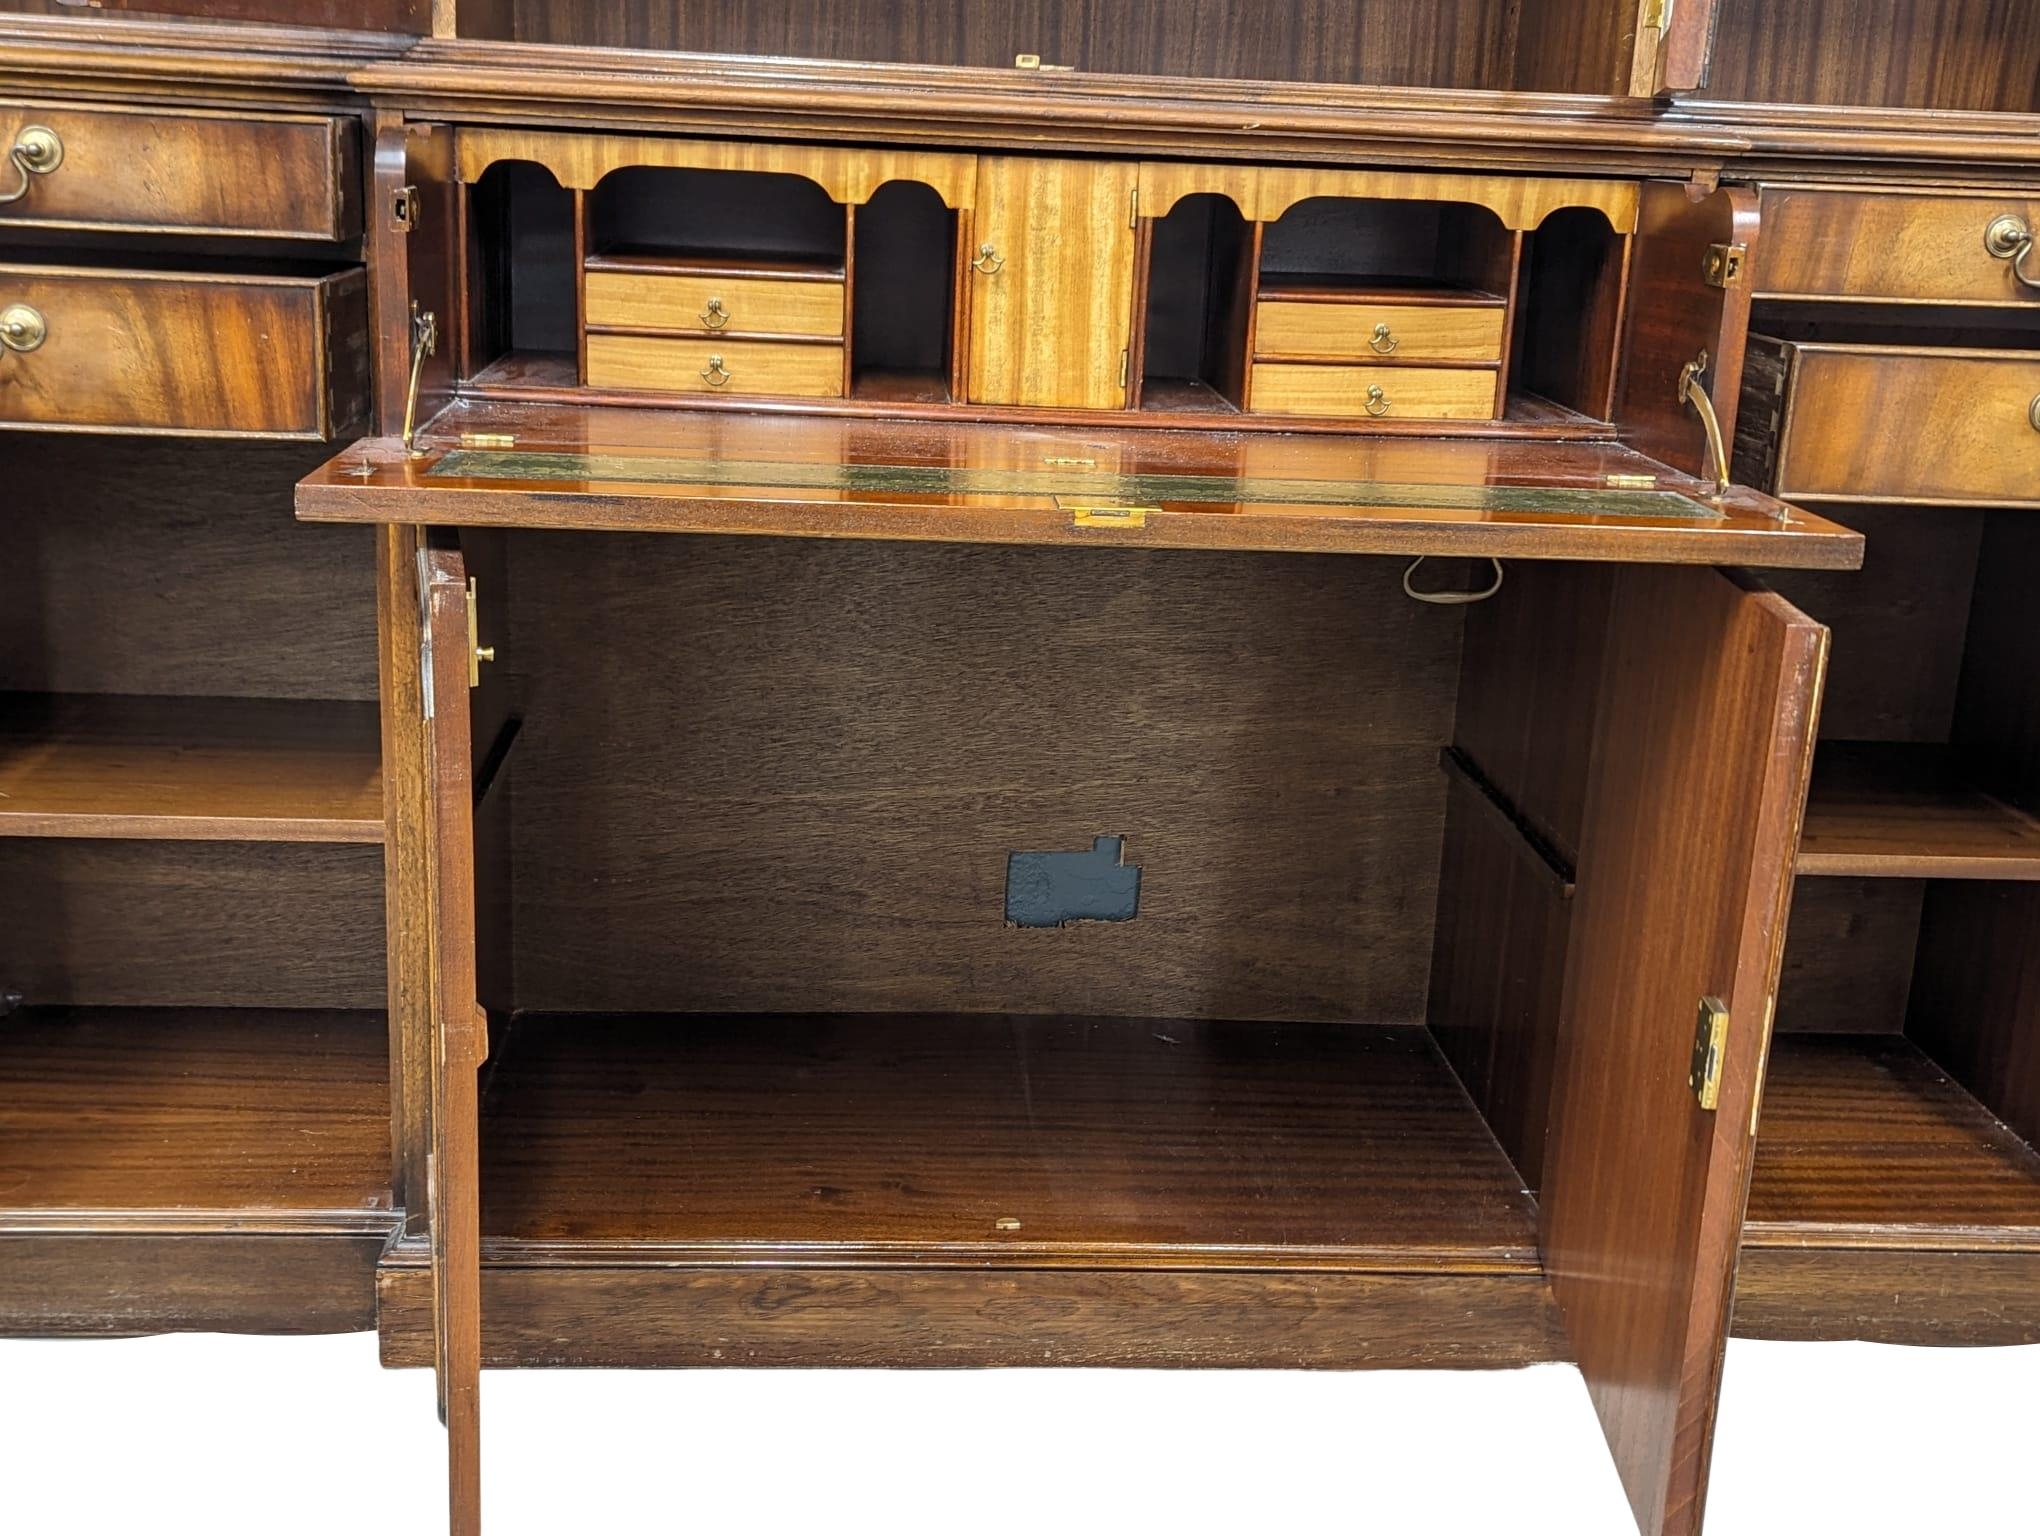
[{"x": 1051, "y": 890}]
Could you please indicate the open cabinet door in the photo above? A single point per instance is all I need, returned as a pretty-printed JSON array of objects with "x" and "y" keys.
[
  {"x": 460, "y": 1036},
  {"x": 1703, "y": 741}
]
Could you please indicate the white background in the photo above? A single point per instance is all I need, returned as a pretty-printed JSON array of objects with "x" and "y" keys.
[{"x": 227, "y": 1436}]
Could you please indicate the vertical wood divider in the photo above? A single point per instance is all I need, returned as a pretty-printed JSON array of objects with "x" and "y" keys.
[{"x": 580, "y": 287}]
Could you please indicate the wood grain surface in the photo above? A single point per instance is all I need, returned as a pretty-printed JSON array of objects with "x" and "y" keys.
[
  {"x": 1911, "y": 811},
  {"x": 1703, "y": 741},
  {"x": 256, "y": 770},
  {"x": 1926, "y": 249}
]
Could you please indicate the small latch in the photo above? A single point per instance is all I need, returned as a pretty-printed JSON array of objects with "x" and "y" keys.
[
  {"x": 477, "y": 652},
  {"x": 404, "y": 210},
  {"x": 1710, "y": 1046},
  {"x": 1722, "y": 266}
]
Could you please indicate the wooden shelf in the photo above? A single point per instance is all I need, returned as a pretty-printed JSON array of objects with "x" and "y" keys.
[
  {"x": 992, "y": 1140},
  {"x": 1905, "y": 811},
  {"x": 200, "y": 1119},
  {"x": 230, "y": 770},
  {"x": 1865, "y": 1141}
]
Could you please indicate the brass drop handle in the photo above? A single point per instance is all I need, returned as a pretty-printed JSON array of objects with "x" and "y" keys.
[
  {"x": 2010, "y": 239},
  {"x": 1378, "y": 404},
  {"x": 1693, "y": 393},
  {"x": 22, "y": 328},
  {"x": 2033, "y": 414},
  {"x": 715, "y": 374},
  {"x": 1383, "y": 340},
  {"x": 716, "y": 316},
  {"x": 989, "y": 261},
  {"x": 37, "y": 151}
]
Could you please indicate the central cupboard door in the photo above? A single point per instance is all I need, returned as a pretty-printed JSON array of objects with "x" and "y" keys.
[{"x": 1051, "y": 312}]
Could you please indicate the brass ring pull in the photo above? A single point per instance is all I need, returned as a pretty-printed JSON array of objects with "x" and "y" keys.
[
  {"x": 37, "y": 151},
  {"x": 1383, "y": 340},
  {"x": 2010, "y": 239},
  {"x": 22, "y": 328},
  {"x": 989, "y": 261},
  {"x": 716, "y": 316},
  {"x": 715, "y": 374},
  {"x": 1378, "y": 404}
]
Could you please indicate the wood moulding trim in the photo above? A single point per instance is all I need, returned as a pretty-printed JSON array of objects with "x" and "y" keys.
[
  {"x": 180, "y": 56},
  {"x": 1263, "y": 194}
]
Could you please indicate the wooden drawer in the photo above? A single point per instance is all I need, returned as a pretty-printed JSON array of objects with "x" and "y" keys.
[
  {"x": 1871, "y": 423},
  {"x": 641, "y": 298},
  {"x": 1366, "y": 331},
  {"x": 687, "y": 366},
  {"x": 186, "y": 354},
  {"x": 189, "y": 173},
  {"x": 1334, "y": 389},
  {"x": 1927, "y": 249}
]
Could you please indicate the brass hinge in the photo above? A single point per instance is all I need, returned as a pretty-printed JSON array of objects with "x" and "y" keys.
[
  {"x": 1722, "y": 266},
  {"x": 1107, "y": 517},
  {"x": 477, "y": 652},
  {"x": 1710, "y": 1045},
  {"x": 1631, "y": 482},
  {"x": 404, "y": 210},
  {"x": 1656, "y": 13},
  {"x": 488, "y": 439},
  {"x": 1124, "y": 364},
  {"x": 1133, "y": 209}
]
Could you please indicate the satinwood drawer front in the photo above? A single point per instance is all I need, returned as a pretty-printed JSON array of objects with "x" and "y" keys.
[
  {"x": 177, "y": 353},
  {"x": 1927, "y": 249},
  {"x": 702, "y": 366},
  {"x": 190, "y": 173},
  {"x": 1396, "y": 393},
  {"x": 641, "y": 298},
  {"x": 1371, "y": 331},
  {"x": 1872, "y": 423}
]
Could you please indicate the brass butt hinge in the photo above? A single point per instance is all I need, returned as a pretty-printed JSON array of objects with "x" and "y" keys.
[
  {"x": 1124, "y": 364},
  {"x": 477, "y": 652},
  {"x": 1656, "y": 13},
  {"x": 1710, "y": 1046},
  {"x": 1723, "y": 265},
  {"x": 1133, "y": 209},
  {"x": 404, "y": 210}
]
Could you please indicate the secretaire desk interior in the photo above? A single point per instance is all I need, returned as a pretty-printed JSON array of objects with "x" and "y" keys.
[{"x": 1005, "y": 685}]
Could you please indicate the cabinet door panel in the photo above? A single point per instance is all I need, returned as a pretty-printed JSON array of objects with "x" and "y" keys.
[
  {"x": 1703, "y": 739},
  {"x": 460, "y": 1035},
  {"x": 1052, "y": 316}
]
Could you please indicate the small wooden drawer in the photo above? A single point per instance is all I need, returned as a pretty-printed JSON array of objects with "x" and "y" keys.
[
  {"x": 1383, "y": 393},
  {"x": 701, "y": 366},
  {"x": 1928, "y": 249},
  {"x": 183, "y": 354},
  {"x": 632, "y": 294},
  {"x": 187, "y": 173},
  {"x": 1876, "y": 423},
  {"x": 1371, "y": 330}
]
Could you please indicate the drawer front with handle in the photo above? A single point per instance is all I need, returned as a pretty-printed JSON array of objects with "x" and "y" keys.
[
  {"x": 1332, "y": 389},
  {"x": 678, "y": 365},
  {"x": 166, "y": 172},
  {"x": 1923, "y": 249},
  {"x": 751, "y": 306},
  {"x": 1409, "y": 333},
  {"x": 183, "y": 354},
  {"x": 1874, "y": 423}
]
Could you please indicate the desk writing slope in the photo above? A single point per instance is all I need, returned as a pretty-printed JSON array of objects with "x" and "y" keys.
[{"x": 507, "y": 465}]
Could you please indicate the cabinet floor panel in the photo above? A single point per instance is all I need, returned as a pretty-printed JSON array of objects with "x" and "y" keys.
[
  {"x": 188, "y": 1120},
  {"x": 240, "y": 770},
  {"x": 1865, "y": 1142},
  {"x": 1906, "y": 811},
  {"x": 991, "y": 1140}
]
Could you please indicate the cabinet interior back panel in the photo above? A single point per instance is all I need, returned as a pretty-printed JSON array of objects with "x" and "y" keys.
[{"x": 777, "y": 775}]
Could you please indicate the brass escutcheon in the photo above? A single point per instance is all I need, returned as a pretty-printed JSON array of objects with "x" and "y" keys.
[{"x": 37, "y": 151}]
